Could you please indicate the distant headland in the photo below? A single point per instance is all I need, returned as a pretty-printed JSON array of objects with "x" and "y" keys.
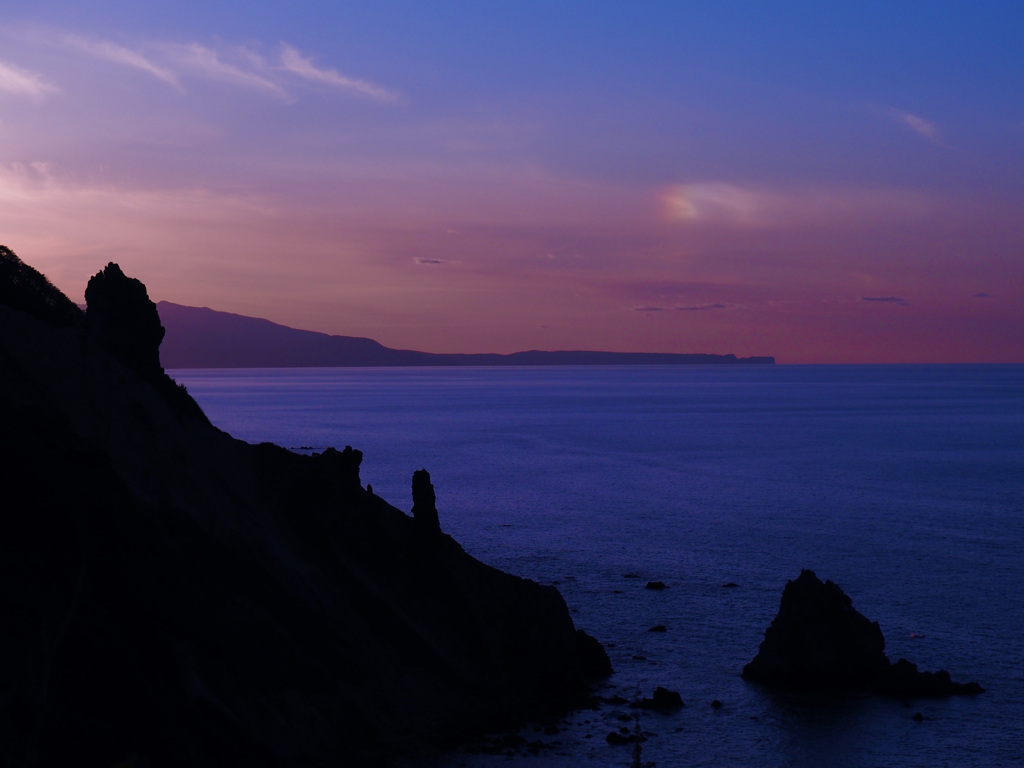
[{"x": 198, "y": 337}]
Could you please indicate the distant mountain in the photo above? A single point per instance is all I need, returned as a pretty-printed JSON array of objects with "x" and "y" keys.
[{"x": 204, "y": 338}]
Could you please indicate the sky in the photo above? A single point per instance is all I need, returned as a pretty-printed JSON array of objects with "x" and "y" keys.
[{"x": 821, "y": 182}]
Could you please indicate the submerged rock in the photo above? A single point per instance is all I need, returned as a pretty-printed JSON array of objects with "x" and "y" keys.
[{"x": 818, "y": 641}]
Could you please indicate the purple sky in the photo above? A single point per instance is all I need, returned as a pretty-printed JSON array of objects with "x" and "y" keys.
[{"x": 819, "y": 184}]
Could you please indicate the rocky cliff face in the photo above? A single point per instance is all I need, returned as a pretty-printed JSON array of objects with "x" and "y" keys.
[
  {"x": 177, "y": 595},
  {"x": 124, "y": 321}
]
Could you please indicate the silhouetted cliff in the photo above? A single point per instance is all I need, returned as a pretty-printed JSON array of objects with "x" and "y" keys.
[
  {"x": 203, "y": 338},
  {"x": 176, "y": 594}
]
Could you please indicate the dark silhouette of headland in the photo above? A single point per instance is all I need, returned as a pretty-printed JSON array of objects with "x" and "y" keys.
[
  {"x": 204, "y": 338},
  {"x": 174, "y": 596}
]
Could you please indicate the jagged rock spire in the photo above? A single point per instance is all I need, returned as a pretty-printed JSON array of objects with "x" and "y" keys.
[
  {"x": 124, "y": 320},
  {"x": 424, "y": 503}
]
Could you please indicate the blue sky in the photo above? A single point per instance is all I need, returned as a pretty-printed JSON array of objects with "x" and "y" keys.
[{"x": 821, "y": 182}]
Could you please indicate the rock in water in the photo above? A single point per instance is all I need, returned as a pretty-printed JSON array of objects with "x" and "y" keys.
[
  {"x": 663, "y": 700},
  {"x": 904, "y": 679},
  {"x": 819, "y": 642}
]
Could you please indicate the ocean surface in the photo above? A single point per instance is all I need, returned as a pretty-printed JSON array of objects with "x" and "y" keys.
[{"x": 903, "y": 484}]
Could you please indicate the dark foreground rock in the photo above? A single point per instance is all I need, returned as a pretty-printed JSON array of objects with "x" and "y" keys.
[
  {"x": 663, "y": 700},
  {"x": 624, "y": 736},
  {"x": 593, "y": 657},
  {"x": 904, "y": 679},
  {"x": 175, "y": 594},
  {"x": 819, "y": 642}
]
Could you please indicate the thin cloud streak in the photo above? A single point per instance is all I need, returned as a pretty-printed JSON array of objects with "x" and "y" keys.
[
  {"x": 118, "y": 54},
  {"x": 21, "y": 82},
  {"x": 170, "y": 62},
  {"x": 692, "y": 308},
  {"x": 76, "y": 223},
  {"x": 700, "y": 307},
  {"x": 886, "y": 300},
  {"x": 294, "y": 62},
  {"x": 207, "y": 63},
  {"x": 918, "y": 125},
  {"x": 767, "y": 207},
  {"x": 42, "y": 194}
]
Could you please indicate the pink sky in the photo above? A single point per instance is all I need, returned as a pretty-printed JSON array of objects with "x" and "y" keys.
[{"x": 487, "y": 194}]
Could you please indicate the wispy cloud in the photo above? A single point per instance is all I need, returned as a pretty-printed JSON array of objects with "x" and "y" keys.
[
  {"x": 174, "y": 63},
  {"x": 886, "y": 300},
  {"x": 761, "y": 206},
  {"x": 983, "y": 296},
  {"x": 207, "y": 63},
  {"x": 294, "y": 62},
  {"x": 917, "y": 124},
  {"x": 22, "y": 82},
  {"x": 44, "y": 186},
  {"x": 118, "y": 54},
  {"x": 680, "y": 308},
  {"x": 716, "y": 200},
  {"x": 700, "y": 307},
  {"x": 50, "y": 212},
  {"x": 422, "y": 260}
]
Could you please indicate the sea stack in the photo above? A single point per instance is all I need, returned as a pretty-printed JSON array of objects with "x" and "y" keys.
[{"x": 819, "y": 642}]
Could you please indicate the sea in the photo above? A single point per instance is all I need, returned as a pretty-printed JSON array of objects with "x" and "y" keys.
[{"x": 902, "y": 484}]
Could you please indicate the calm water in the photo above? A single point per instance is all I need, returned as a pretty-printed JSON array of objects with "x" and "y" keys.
[{"x": 903, "y": 484}]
